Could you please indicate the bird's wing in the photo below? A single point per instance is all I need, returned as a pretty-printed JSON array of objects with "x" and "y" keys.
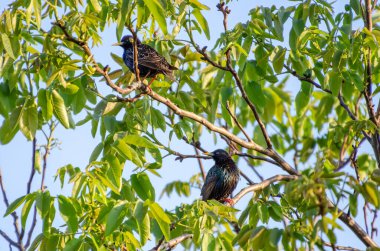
[
  {"x": 150, "y": 58},
  {"x": 210, "y": 183}
]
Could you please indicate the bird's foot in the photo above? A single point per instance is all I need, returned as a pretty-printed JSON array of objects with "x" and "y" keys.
[{"x": 228, "y": 201}]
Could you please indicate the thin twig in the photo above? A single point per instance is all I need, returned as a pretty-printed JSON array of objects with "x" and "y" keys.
[
  {"x": 365, "y": 216},
  {"x": 200, "y": 164},
  {"x": 373, "y": 228},
  {"x": 31, "y": 230},
  {"x": 156, "y": 248},
  {"x": 248, "y": 101},
  {"x": 337, "y": 247},
  {"x": 250, "y": 182},
  {"x": 309, "y": 80},
  {"x": 14, "y": 215},
  {"x": 256, "y": 157},
  {"x": 196, "y": 144},
  {"x": 33, "y": 170},
  {"x": 8, "y": 239},
  {"x": 181, "y": 156},
  {"x": 354, "y": 226},
  {"x": 135, "y": 54},
  {"x": 172, "y": 243},
  {"x": 347, "y": 161},
  {"x": 253, "y": 169},
  {"x": 237, "y": 123}
]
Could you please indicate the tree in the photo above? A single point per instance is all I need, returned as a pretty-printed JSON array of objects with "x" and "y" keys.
[{"x": 238, "y": 91}]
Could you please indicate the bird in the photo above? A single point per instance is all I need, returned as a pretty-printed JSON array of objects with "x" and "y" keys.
[
  {"x": 221, "y": 179},
  {"x": 150, "y": 62}
]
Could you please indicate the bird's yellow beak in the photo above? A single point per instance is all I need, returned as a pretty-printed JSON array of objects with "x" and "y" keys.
[
  {"x": 117, "y": 44},
  {"x": 208, "y": 154}
]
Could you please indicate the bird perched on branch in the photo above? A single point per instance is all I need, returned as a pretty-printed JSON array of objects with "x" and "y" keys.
[
  {"x": 221, "y": 179},
  {"x": 150, "y": 63}
]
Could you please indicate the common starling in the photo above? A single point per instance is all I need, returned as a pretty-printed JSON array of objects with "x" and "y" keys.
[
  {"x": 222, "y": 178},
  {"x": 150, "y": 63}
]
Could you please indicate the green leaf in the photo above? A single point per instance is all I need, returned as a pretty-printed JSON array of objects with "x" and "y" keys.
[
  {"x": 335, "y": 82},
  {"x": 43, "y": 203},
  {"x": 278, "y": 60},
  {"x": 197, "y": 4},
  {"x": 162, "y": 219},
  {"x": 68, "y": 213},
  {"x": 143, "y": 221},
  {"x": 73, "y": 245},
  {"x": 158, "y": 13},
  {"x": 29, "y": 120},
  {"x": 37, "y": 12},
  {"x": 137, "y": 140},
  {"x": 46, "y": 103},
  {"x": 95, "y": 4},
  {"x": 141, "y": 184},
  {"x": 123, "y": 14},
  {"x": 29, "y": 200},
  {"x": 372, "y": 193},
  {"x": 10, "y": 126},
  {"x": 127, "y": 152},
  {"x": 274, "y": 237},
  {"x": 14, "y": 205},
  {"x": 36, "y": 242},
  {"x": 114, "y": 173},
  {"x": 96, "y": 152},
  {"x": 202, "y": 22},
  {"x": 60, "y": 111},
  {"x": 115, "y": 217},
  {"x": 157, "y": 119},
  {"x": 7, "y": 45},
  {"x": 302, "y": 100}
]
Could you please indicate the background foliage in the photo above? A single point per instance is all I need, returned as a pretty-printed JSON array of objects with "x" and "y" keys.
[{"x": 241, "y": 91}]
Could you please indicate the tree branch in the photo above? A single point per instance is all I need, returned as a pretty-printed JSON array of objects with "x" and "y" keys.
[
  {"x": 172, "y": 243},
  {"x": 237, "y": 123},
  {"x": 337, "y": 247},
  {"x": 14, "y": 215},
  {"x": 257, "y": 158},
  {"x": 248, "y": 101},
  {"x": 200, "y": 164},
  {"x": 8, "y": 239},
  {"x": 249, "y": 145},
  {"x": 262, "y": 185},
  {"x": 33, "y": 171},
  {"x": 355, "y": 227},
  {"x": 306, "y": 79}
]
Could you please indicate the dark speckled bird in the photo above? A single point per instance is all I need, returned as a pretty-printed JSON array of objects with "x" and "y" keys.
[
  {"x": 150, "y": 62},
  {"x": 222, "y": 178}
]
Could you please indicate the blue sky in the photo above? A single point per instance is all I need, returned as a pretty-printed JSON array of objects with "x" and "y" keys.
[{"x": 76, "y": 145}]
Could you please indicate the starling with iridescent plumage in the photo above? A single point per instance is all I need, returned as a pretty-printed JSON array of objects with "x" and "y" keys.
[
  {"x": 222, "y": 178},
  {"x": 150, "y": 63}
]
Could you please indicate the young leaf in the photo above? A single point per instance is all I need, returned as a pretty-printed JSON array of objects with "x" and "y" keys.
[
  {"x": 137, "y": 140},
  {"x": 68, "y": 213},
  {"x": 115, "y": 217},
  {"x": 60, "y": 109},
  {"x": 162, "y": 219},
  {"x": 14, "y": 205},
  {"x": 202, "y": 22},
  {"x": 73, "y": 245},
  {"x": 141, "y": 184},
  {"x": 157, "y": 11}
]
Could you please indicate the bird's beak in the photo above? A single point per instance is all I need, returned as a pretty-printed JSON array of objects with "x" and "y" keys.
[
  {"x": 208, "y": 154},
  {"x": 117, "y": 44}
]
